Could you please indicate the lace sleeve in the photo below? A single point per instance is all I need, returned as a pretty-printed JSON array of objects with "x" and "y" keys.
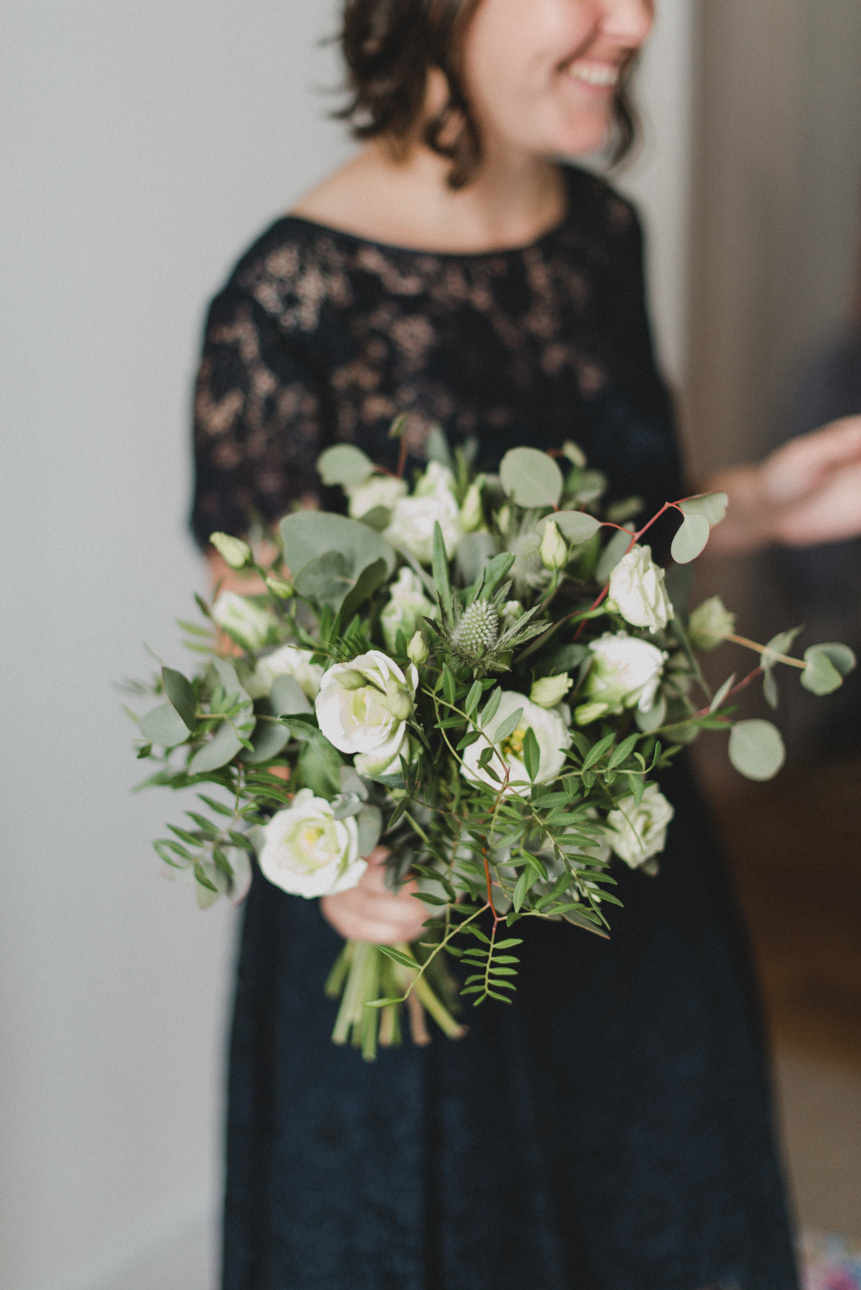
[{"x": 257, "y": 421}]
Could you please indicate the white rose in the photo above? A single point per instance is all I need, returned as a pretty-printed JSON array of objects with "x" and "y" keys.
[
  {"x": 433, "y": 502},
  {"x": 637, "y": 590},
  {"x": 549, "y": 729},
  {"x": 375, "y": 491},
  {"x": 289, "y": 660},
  {"x": 308, "y": 852},
  {"x": 407, "y": 608},
  {"x": 625, "y": 673},
  {"x": 249, "y": 624},
  {"x": 637, "y": 833},
  {"x": 363, "y": 708}
]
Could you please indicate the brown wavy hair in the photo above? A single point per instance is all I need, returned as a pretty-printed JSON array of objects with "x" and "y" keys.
[{"x": 389, "y": 47}]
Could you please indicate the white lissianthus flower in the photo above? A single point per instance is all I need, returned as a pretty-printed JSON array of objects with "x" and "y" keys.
[
  {"x": 407, "y": 608},
  {"x": 308, "y": 852},
  {"x": 636, "y": 833},
  {"x": 547, "y": 691},
  {"x": 625, "y": 672},
  {"x": 637, "y": 591},
  {"x": 250, "y": 624},
  {"x": 551, "y": 733},
  {"x": 363, "y": 708},
  {"x": 433, "y": 502},
  {"x": 289, "y": 660},
  {"x": 374, "y": 492}
]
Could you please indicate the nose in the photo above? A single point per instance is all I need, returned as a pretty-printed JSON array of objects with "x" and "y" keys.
[{"x": 628, "y": 22}]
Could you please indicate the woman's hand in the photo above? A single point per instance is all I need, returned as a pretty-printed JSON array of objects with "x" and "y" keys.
[
  {"x": 371, "y": 912},
  {"x": 806, "y": 492}
]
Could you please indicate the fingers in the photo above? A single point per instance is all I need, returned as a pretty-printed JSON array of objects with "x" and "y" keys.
[
  {"x": 800, "y": 466},
  {"x": 371, "y": 912}
]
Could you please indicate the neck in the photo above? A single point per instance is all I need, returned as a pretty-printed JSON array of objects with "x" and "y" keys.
[{"x": 515, "y": 198}]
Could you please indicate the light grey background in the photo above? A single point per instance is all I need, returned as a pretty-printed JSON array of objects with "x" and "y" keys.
[{"x": 142, "y": 146}]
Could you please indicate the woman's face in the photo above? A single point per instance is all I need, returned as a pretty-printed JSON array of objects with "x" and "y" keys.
[{"x": 541, "y": 74}]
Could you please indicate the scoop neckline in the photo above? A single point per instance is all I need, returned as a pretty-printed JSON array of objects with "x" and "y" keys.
[{"x": 395, "y": 248}]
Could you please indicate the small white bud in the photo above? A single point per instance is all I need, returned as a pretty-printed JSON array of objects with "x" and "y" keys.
[
  {"x": 472, "y": 511},
  {"x": 547, "y": 691},
  {"x": 553, "y": 550},
  {"x": 232, "y": 550},
  {"x": 279, "y": 587},
  {"x": 417, "y": 650}
]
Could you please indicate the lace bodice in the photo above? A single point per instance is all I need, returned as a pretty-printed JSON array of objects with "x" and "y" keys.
[{"x": 320, "y": 336}]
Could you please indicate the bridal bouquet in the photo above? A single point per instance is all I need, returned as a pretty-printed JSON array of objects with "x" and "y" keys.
[{"x": 485, "y": 675}]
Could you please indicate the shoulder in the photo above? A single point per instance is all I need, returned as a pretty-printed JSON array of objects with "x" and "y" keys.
[{"x": 288, "y": 275}]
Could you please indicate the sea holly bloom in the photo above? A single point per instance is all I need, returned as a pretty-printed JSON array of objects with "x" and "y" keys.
[
  {"x": 637, "y": 591},
  {"x": 636, "y": 833},
  {"x": 308, "y": 852},
  {"x": 406, "y": 609},
  {"x": 289, "y": 660},
  {"x": 433, "y": 502},
  {"x": 625, "y": 672},
  {"x": 246, "y": 622},
  {"x": 363, "y": 707},
  {"x": 551, "y": 734}
]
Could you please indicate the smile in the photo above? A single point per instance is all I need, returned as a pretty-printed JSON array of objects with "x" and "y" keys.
[{"x": 601, "y": 75}]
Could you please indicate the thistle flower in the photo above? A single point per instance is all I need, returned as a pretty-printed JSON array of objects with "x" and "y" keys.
[{"x": 477, "y": 632}]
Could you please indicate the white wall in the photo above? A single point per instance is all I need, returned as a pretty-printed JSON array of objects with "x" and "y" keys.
[{"x": 142, "y": 147}]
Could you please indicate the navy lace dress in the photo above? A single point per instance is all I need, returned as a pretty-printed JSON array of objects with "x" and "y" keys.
[{"x": 612, "y": 1129}]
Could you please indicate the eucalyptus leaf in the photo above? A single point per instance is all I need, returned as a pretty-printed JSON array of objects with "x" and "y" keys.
[
  {"x": 654, "y": 718},
  {"x": 474, "y": 551},
  {"x": 287, "y": 698},
  {"x": 691, "y": 538},
  {"x": 164, "y": 726},
  {"x": 269, "y": 739},
  {"x": 826, "y": 666},
  {"x": 229, "y": 679},
  {"x": 769, "y": 689},
  {"x": 370, "y": 822},
  {"x": 756, "y": 749},
  {"x": 378, "y": 518},
  {"x": 712, "y": 506},
  {"x": 319, "y": 766},
  {"x": 531, "y": 478},
  {"x": 217, "y": 752},
  {"x": 326, "y": 579},
  {"x": 369, "y": 580},
  {"x": 722, "y": 693},
  {"x": 307, "y": 535},
  {"x": 779, "y": 644},
  {"x": 575, "y": 526},
  {"x": 180, "y": 694},
  {"x": 611, "y": 555},
  {"x": 344, "y": 465}
]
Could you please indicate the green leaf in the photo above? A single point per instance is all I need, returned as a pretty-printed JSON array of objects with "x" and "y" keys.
[
  {"x": 769, "y": 688},
  {"x": 623, "y": 752},
  {"x": 437, "y": 449},
  {"x": 369, "y": 580},
  {"x": 307, "y": 535},
  {"x": 531, "y": 754},
  {"x": 319, "y": 765},
  {"x": 779, "y": 644},
  {"x": 381, "y": 1003},
  {"x": 691, "y": 539},
  {"x": 180, "y": 693},
  {"x": 164, "y": 726},
  {"x": 826, "y": 666},
  {"x": 220, "y": 750},
  {"x": 521, "y": 889},
  {"x": 440, "y": 569},
  {"x": 390, "y": 952},
  {"x": 472, "y": 699},
  {"x": 531, "y": 478},
  {"x": 269, "y": 739},
  {"x": 344, "y": 465},
  {"x": 370, "y": 822},
  {"x": 508, "y": 726},
  {"x": 575, "y": 526},
  {"x": 597, "y": 752},
  {"x": 398, "y": 426},
  {"x": 712, "y": 506},
  {"x": 326, "y": 579},
  {"x": 756, "y": 749}
]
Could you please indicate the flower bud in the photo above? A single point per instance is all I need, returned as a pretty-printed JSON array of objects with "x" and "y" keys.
[
  {"x": 503, "y": 519},
  {"x": 553, "y": 550},
  {"x": 232, "y": 550},
  {"x": 710, "y": 623},
  {"x": 417, "y": 650},
  {"x": 279, "y": 587},
  {"x": 472, "y": 511},
  {"x": 547, "y": 691}
]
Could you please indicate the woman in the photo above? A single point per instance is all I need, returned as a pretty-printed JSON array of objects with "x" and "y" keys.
[{"x": 612, "y": 1129}]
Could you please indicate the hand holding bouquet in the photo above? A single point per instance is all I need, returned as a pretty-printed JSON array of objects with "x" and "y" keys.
[{"x": 483, "y": 674}]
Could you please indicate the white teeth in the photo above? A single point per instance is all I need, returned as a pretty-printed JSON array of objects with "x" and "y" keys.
[{"x": 599, "y": 74}]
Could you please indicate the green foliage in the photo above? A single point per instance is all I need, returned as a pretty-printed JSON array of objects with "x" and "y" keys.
[{"x": 531, "y": 478}]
